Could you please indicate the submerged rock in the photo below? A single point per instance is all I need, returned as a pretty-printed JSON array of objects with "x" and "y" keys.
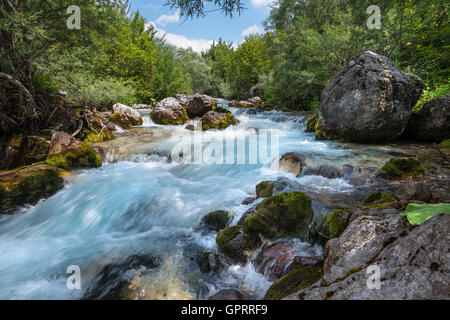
[
  {"x": 368, "y": 100},
  {"x": 414, "y": 264},
  {"x": 169, "y": 111},
  {"x": 432, "y": 121},
  {"x": 217, "y": 120},
  {"x": 133, "y": 115},
  {"x": 27, "y": 185}
]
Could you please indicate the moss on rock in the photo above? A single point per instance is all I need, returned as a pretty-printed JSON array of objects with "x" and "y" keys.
[
  {"x": 27, "y": 185},
  {"x": 295, "y": 280},
  {"x": 85, "y": 156},
  {"x": 208, "y": 261},
  {"x": 287, "y": 214},
  {"x": 229, "y": 241},
  {"x": 264, "y": 189},
  {"x": 380, "y": 197},
  {"x": 399, "y": 168},
  {"x": 104, "y": 135},
  {"x": 216, "y": 220},
  {"x": 121, "y": 120},
  {"x": 337, "y": 222}
]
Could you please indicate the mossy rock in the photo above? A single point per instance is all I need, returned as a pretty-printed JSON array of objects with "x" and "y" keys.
[
  {"x": 287, "y": 214},
  {"x": 121, "y": 120},
  {"x": 27, "y": 185},
  {"x": 229, "y": 241},
  {"x": 208, "y": 262},
  {"x": 399, "y": 168},
  {"x": 295, "y": 280},
  {"x": 379, "y": 197},
  {"x": 264, "y": 189},
  {"x": 226, "y": 120},
  {"x": 379, "y": 206},
  {"x": 93, "y": 137},
  {"x": 311, "y": 123},
  {"x": 161, "y": 118},
  {"x": 445, "y": 144},
  {"x": 216, "y": 220},
  {"x": 337, "y": 222},
  {"x": 84, "y": 157},
  {"x": 57, "y": 161}
]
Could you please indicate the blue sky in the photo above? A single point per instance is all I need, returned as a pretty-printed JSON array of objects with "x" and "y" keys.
[{"x": 198, "y": 33}]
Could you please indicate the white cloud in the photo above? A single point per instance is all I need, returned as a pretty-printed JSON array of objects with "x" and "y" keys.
[
  {"x": 165, "y": 19},
  {"x": 261, "y": 3},
  {"x": 181, "y": 41},
  {"x": 251, "y": 30}
]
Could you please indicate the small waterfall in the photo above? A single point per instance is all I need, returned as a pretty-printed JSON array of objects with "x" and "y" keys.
[{"x": 147, "y": 121}]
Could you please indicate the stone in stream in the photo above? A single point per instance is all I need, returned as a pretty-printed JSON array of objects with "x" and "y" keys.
[
  {"x": 169, "y": 111},
  {"x": 27, "y": 185},
  {"x": 133, "y": 115},
  {"x": 121, "y": 119},
  {"x": 432, "y": 121},
  {"x": 368, "y": 100},
  {"x": 216, "y": 220},
  {"x": 413, "y": 190},
  {"x": 217, "y": 120},
  {"x": 249, "y": 103},
  {"x": 413, "y": 262},
  {"x": 208, "y": 262},
  {"x": 199, "y": 104},
  {"x": 292, "y": 162}
]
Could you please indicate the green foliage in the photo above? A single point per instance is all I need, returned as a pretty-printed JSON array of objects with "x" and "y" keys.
[
  {"x": 418, "y": 213},
  {"x": 430, "y": 94},
  {"x": 445, "y": 144}
]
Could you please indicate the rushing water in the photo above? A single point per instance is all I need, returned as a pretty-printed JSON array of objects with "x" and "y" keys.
[{"x": 141, "y": 202}]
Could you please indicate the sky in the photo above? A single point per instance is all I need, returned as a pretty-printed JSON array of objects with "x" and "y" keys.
[{"x": 199, "y": 33}]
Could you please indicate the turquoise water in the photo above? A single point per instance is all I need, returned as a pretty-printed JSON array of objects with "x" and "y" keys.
[{"x": 144, "y": 203}]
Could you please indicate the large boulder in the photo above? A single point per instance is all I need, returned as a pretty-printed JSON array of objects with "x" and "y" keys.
[
  {"x": 25, "y": 150},
  {"x": 199, "y": 104},
  {"x": 217, "y": 120},
  {"x": 432, "y": 121},
  {"x": 27, "y": 185},
  {"x": 62, "y": 143},
  {"x": 413, "y": 264},
  {"x": 368, "y": 100},
  {"x": 133, "y": 115},
  {"x": 169, "y": 111}
]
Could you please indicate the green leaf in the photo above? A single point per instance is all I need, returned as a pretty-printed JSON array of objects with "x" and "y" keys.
[{"x": 418, "y": 213}]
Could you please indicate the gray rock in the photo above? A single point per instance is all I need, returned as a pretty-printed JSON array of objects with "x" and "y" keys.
[
  {"x": 413, "y": 264},
  {"x": 128, "y": 111},
  {"x": 368, "y": 100},
  {"x": 169, "y": 111}
]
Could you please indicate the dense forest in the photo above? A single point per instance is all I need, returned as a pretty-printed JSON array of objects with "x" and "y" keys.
[{"x": 116, "y": 56}]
